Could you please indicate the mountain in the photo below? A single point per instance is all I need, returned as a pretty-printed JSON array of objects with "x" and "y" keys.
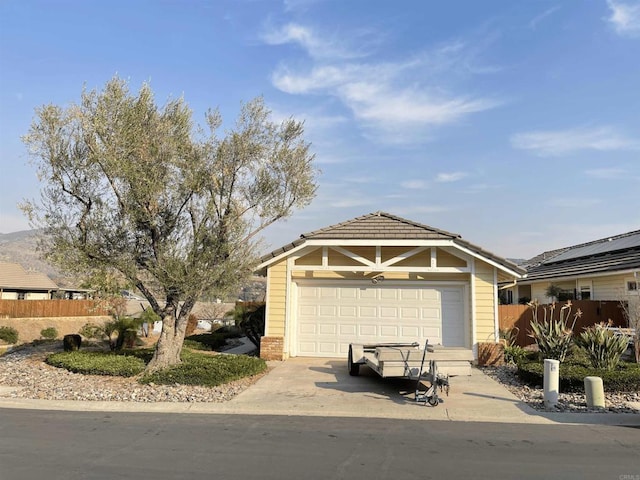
[{"x": 21, "y": 247}]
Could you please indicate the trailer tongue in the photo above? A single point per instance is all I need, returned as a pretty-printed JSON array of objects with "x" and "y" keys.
[{"x": 402, "y": 360}]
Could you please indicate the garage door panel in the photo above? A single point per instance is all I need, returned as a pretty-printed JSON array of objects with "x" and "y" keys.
[
  {"x": 348, "y": 293},
  {"x": 365, "y": 330},
  {"x": 389, "y": 331},
  {"x": 388, "y": 312},
  {"x": 327, "y": 329},
  {"x": 388, "y": 294},
  {"x": 429, "y": 294},
  {"x": 308, "y": 328},
  {"x": 410, "y": 294},
  {"x": 430, "y": 313},
  {"x": 348, "y": 330},
  {"x": 330, "y": 317},
  {"x": 367, "y": 294},
  {"x": 308, "y": 310},
  {"x": 328, "y": 311},
  {"x": 410, "y": 331},
  {"x": 328, "y": 292},
  {"x": 348, "y": 311},
  {"x": 410, "y": 312},
  {"x": 368, "y": 311}
]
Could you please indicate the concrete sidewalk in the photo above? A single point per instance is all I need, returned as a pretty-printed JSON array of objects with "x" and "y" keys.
[{"x": 322, "y": 387}]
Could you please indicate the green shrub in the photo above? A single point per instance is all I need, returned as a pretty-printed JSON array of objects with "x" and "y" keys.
[
  {"x": 125, "y": 329},
  {"x": 553, "y": 336},
  {"x": 624, "y": 378},
  {"x": 92, "y": 331},
  {"x": 208, "y": 341},
  {"x": 514, "y": 354},
  {"x": 97, "y": 363},
  {"x": 602, "y": 346},
  {"x": 9, "y": 335},
  {"x": 207, "y": 370},
  {"x": 49, "y": 333}
]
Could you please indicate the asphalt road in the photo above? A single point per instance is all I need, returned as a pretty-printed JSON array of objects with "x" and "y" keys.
[{"x": 72, "y": 445}]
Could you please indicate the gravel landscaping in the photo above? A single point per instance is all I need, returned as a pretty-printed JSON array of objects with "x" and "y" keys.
[
  {"x": 567, "y": 402},
  {"x": 25, "y": 369}
]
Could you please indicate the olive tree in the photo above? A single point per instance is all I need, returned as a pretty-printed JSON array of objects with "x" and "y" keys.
[{"x": 136, "y": 188}]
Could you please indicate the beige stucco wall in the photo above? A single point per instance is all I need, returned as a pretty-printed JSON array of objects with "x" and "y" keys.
[
  {"x": 485, "y": 302},
  {"x": 29, "y": 328}
]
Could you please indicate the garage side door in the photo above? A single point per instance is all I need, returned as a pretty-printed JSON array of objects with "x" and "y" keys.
[{"x": 330, "y": 317}]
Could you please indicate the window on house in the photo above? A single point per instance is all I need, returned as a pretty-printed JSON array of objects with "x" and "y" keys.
[
  {"x": 22, "y": 295},
  {"x": 632, "y": 286},
  {"x": 585, "y": 293}
]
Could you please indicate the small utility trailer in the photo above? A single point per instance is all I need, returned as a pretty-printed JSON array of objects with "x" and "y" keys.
[{"x": 406, "y": 360}]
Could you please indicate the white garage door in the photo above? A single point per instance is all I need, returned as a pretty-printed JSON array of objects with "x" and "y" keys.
[{"x": 330, "y": 317}]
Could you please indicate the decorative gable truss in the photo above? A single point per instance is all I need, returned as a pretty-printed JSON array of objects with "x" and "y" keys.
[{"x": 382, "y": 258}]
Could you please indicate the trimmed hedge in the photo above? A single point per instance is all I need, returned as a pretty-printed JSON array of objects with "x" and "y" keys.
[
  {"x": 209, "y": 341},
  {"x": 207, "y": 370},
  {"x": 9, "y": 335},
  {"x": 624, "y": 378},
  {"x": 97, "y": 363},
  {"x": 195, "y": 369}
]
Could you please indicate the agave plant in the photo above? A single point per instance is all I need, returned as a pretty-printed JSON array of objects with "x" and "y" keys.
[
  {"x": 602, "y": 346},
  {"x": 553, "y": 337}
]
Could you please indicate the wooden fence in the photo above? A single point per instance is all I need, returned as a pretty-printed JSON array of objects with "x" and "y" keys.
[
  {"x": 49, "y": 308},
  {"x": 593, "y": 312}
]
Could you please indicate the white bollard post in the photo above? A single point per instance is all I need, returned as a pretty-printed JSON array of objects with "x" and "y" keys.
[
  {"x": 551, "y": 382},
  {"x": 594, "y": 391}
]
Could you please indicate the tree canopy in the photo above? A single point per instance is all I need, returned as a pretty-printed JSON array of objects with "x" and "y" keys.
[{"x": 132, "y": 187}]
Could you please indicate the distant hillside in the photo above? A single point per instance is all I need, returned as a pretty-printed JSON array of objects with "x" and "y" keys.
[{"x": 20, "y": 247}]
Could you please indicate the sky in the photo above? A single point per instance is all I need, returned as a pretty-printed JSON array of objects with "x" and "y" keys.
[{"x": 513, "y": 124}]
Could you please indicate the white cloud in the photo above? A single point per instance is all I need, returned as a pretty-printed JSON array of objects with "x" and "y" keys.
[
  {"x": 450, "y": 177},
  {"x": 563, "y": 142},
  {"x": 625, "y": 17},
  {"x": 317, "y": 46},
  {"x": 533, "y": 24},
  {"x": 395, "y": 102},
  {"x": 413, "y": 184}
]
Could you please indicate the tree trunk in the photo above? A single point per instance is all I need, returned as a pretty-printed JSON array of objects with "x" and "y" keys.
[{"x": 169, "y": 345}]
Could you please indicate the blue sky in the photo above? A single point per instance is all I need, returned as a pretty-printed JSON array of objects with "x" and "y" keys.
[{"x": 514, "y": 124}]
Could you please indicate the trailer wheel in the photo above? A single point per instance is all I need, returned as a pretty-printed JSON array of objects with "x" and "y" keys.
[
  {"x": 354, "y": 368},
  {"x": 433, "y": 400}
]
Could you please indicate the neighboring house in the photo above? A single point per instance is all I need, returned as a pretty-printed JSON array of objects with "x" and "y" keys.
[
  {"x": 18, "y": 284},
  {"x": 605, "y": 269},
  {"x": 380, "y": 278}
]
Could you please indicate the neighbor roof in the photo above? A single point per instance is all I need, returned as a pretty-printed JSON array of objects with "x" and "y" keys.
[
  {"x": 14, "y": 276},
  {"x": 611, "y": 254},
  {"x": 384, "y": 226}
]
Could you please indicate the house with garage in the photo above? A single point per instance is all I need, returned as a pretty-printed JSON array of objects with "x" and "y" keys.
[
  {"x": 380, "y": 278},
  {"x": 607, "y": 269}
]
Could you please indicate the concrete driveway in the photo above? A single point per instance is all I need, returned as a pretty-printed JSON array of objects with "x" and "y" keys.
[{"x": 314, "y": 386}]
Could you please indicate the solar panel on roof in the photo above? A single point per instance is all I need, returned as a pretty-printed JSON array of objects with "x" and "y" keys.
[{"x": 611, "y": 245}]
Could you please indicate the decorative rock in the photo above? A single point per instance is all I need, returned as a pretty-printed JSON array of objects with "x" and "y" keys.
[
  {"x": 25, "y": 369},
  {"x": 71, "y": 342}
]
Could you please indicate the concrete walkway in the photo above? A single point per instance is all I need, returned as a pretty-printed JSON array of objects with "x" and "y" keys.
[{"x": 322, "y": 387}]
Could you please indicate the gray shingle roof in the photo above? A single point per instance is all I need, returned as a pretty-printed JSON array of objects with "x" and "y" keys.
[
  {"x": 384, "y": 226},
  {"x": 611, "y": 254}
]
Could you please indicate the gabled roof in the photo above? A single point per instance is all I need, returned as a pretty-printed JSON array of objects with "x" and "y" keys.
[
  {"x": 384, "y": 226},
  {"x": 13, "y": 276},
  {"x": 606, "y": 255}
]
